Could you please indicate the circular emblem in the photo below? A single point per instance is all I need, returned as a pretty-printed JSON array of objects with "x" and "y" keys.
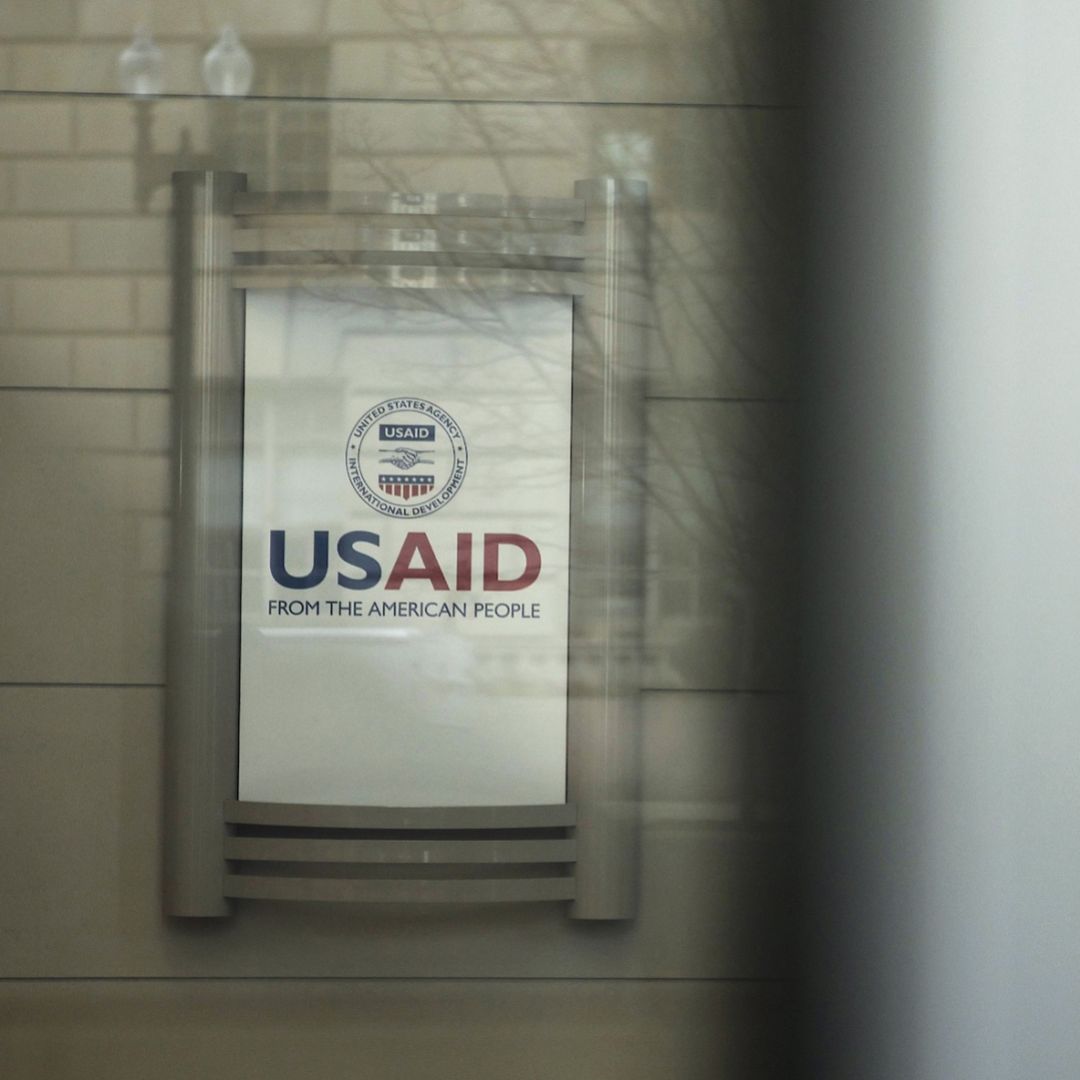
[{"x": 406, "y": 457}]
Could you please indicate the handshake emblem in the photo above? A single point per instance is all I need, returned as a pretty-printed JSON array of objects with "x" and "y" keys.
[{"x": 404, "y": 457}]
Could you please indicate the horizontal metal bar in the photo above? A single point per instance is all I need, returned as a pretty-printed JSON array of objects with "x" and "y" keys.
[
  {"x": 435, "y": 852},
  {"x": 345, "y": 202},
  {"x": 404, "y": 262},
  {"x": 324, "y": 220},
  {"x": 341, "y": 237},
  {"x": 314, "y": 816},
  {"x": 411, "y": 890},
  {"x": 471, "y": 279}
]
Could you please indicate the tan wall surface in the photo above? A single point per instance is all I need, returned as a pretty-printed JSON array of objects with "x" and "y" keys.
[
  {"x": 433, "y": 1030},
  {"x": 84, "y": 538}
]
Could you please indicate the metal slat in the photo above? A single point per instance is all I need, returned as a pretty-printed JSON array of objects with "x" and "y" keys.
[
  {"x": 412, "y": 890},
  {"x": 403, "y": 262},
  {"x": 495, "y": 206},
  {"x": 335, "y": 238},
  {"x": 471, "y": 279},
  {"x": 311, "y": 816},
  {"x": 435, "y": 852}
]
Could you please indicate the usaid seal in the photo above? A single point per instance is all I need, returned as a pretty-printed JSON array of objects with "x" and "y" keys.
[{"x": 406, "y": 457}]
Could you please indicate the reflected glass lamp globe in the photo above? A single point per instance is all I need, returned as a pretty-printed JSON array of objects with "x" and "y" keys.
[
  {"x": 228, "y": 69},
  {"x": 142, "y": 66}
]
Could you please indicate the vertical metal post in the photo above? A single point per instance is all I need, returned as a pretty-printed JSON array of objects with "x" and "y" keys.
[
  {"x": 607, "y": 548},
  {"x": 202, "y": 696}
]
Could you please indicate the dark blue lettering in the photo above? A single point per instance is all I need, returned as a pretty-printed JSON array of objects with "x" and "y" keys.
[
  {"x": 277, "y": 561},
  {"x": 347, "y": 550}
]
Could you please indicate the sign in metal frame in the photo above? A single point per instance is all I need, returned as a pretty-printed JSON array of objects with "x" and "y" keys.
[{"x": 221, "y": 844}]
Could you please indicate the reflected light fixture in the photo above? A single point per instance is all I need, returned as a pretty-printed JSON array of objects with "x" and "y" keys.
[
  {"x": 227, "y": 68},
  {"x": 142, "y": 66}
]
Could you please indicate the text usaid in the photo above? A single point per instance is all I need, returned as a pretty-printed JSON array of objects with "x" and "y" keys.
[{"x": 415, "y": 560}]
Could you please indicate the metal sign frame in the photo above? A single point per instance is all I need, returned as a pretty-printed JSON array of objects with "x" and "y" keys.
[{"x": 591, "y": 247}]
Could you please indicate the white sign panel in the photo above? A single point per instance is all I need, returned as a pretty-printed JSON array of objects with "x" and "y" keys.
[{"x": 406, "y": 524}]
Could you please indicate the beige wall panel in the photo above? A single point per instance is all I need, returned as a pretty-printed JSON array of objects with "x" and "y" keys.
[
  {"x": 153, "y": 295},
  {"x": 197, "y": 19},
  {"x": 132, "y": 244},
  {"x": 274, "y": 18},
  {"x": 65, "y": 186},
  {"x": 134, "y": 361},
  {"x": 719, "y": 596},
  {"x": 107, "y": 126},
  {"x": 35, "y": 126},
  {"x": 39, "y": 19},
  {"x": 179, "y": 120},
  {"x": 620, "y": 50},
  {"x": 78, "y": 476},
  {"x": 116, "y": 18},
  {"x": 88, "y": 361},
  {"x": 80, "y": 832},
  {"x": 71, "y": 303},
  {"x": 390, "y": 18},
  {"x": 522, "y": 67},
  {"x": 28, "y": 243},
  {"x": 65, "y": 65},
  {"x": 35, "y": 360},
  {"x": 80, "y": 801},
  {"x": 431, "y": 1030}
]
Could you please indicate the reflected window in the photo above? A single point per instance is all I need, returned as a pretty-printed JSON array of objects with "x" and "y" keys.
[{"x": 285, "y": 147}]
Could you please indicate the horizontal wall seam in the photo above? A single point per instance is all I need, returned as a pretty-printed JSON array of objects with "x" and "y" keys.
[
  {"x": 749, "y": 106},
  {"x": 30, "y": 685},
  {"x": 770, "y": 980},
  {"x": 704, "y": 399}
]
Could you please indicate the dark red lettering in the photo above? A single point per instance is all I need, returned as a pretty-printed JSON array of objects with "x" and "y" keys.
[
  {"x": 428, "y": 570},
  {"x": 492, "y": 543}
]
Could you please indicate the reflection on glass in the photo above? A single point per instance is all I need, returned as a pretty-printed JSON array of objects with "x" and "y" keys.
[
  {"x": 228, "y": 69},
  {"x": 142, "y": 66}
]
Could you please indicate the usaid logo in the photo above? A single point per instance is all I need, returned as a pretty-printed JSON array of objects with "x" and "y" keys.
[{"x": 406, "y": 457}]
